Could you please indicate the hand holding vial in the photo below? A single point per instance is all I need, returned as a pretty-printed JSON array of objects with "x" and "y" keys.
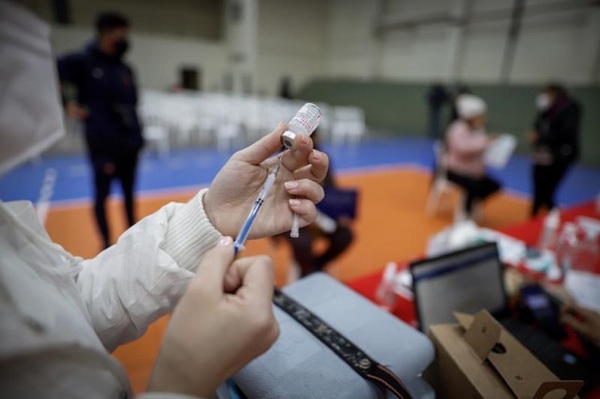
[{"x": 235, "y": 189}]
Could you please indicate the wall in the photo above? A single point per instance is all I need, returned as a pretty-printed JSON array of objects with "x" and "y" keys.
[
  {"x": 290, "y": 42},
  {"x": 157, "y": 59},
  {"x": 400, "y": 107},
  {"x": 563, "y": 44},
  {"x": 350, "y": 46},
  {"x": 337, "y": 38},
  {"x": 186, "y": 18}
]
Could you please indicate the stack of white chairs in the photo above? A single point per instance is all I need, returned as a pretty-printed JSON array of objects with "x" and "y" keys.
[
  {"x": 326, "y": 120},
  {"x": 348, "y": 124},
  {"x": 230, "y": 120},
  {"x": 155, "y": 130}
]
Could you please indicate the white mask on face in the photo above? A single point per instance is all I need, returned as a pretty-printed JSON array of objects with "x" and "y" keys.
[
  {"x": 543, "y": 102},
  {"x": 30, "y": 109}
]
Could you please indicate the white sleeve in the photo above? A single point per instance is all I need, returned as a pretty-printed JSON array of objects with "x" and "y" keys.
[{"x": 141, "y": 277}]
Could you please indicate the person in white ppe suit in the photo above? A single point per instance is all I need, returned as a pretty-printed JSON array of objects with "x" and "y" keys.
[{"x": 61, "y": 316}]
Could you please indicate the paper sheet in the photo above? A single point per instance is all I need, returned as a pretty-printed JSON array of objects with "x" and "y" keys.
[
  {"x": 500, "y": 150},
  {"x": 584, "y": 288}
]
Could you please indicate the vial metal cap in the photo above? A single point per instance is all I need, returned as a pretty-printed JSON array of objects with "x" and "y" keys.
[{"x": 287, "y": 139}]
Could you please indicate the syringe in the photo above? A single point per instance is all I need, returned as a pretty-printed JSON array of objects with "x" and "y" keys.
[
  {"x": 304, "y": 122},
  {"x": 264, "y": 192}
]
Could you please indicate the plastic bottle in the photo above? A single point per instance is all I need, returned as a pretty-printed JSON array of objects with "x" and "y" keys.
[
  {"x": 566, "y": 246},
  {"x": 550, "y": 230},
  {"x": 385, "y": 295},
  {"x": 586, "y": 256}
]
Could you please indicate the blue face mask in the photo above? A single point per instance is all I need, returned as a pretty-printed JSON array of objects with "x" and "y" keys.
[{"x": 31, "y": 112}]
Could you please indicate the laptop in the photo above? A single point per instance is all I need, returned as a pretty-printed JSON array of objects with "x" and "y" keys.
[
  {"x": 467, "y": 280},
  {"x": 471, "y": 279}
]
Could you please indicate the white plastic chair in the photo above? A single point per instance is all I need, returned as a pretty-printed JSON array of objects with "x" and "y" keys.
[
  {"x": 155, "y": 126},
  {"x": 252, "y": 113},
  {"x": 348, "y": 124},
  {"x": 326, "y": 120},
  {"x": 227, "y": 134},
  {"x": 441, "y": 186},
  {"x": 158, "y": 137}
]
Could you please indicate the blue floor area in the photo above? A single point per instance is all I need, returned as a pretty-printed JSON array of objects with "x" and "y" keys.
[{"x": 192, "y": 168}]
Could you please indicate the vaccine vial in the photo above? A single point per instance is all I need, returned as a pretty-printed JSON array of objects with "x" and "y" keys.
[{"x": 305, "y": 122}]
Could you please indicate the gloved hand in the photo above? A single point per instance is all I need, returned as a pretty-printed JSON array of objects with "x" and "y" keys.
[
  {"x": 224, "y": 320},
  {"x": 584, "y": 321},
  {"x": 296, "y": 190}
]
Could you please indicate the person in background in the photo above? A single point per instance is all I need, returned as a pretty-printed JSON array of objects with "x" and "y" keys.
[
  {"x": 99, "y": 88},
  {"x": 285, "y": 88},
  {"x": 586, "y": 322},
  {"x": 337, "y": 232},
  {"x": 460, "y": 90},
  {"x": 62, "y": 315},
  {"x": 555, "y": 143},
  {"x": 466, "y": 143},
  {"x": 437, "y": 97}
]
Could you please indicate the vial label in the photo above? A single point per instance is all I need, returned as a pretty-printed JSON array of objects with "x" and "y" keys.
[{"x": 307, "y": 118}]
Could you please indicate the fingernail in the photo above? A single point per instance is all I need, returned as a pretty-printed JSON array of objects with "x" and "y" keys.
[
  {"x": 226, "y": 240},
  {"x": 290, "y": 185},
  {"x": 317, "y": 155},
  {"x": 304, "y": 138},
  {"x": 294, "y": 202}
]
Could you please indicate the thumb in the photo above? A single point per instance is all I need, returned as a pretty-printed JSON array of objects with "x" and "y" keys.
[
  {"x": 263, "y": 148},
  {"x": 214, "y": 265}
]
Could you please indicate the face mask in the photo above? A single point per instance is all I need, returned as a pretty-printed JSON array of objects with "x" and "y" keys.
[
  {"x": 121, "y": 47},
  {"x": 543, "y": 102},
  {"x": 30, "y": 110}
]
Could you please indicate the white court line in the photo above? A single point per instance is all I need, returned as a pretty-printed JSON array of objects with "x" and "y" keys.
[
  {"x": 79, "y": 170},
  {"x": 194, "y": 188}
]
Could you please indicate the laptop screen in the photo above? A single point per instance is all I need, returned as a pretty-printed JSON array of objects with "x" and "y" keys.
[{"x": 467, "y": 281}]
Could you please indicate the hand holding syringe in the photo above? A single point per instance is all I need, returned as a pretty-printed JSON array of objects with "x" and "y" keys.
[
  {"x": 262, "y": 196},
  {"x": 304, "y": 122}
]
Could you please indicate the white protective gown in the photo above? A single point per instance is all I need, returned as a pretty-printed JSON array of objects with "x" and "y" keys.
[{"x": 61, "y": 316}]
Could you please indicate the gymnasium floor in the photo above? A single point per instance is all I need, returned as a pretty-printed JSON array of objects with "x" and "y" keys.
[{"x": 392, "y": 175}]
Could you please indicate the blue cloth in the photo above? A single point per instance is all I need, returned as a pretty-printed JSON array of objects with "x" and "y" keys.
[
  {"x": 339, "y": 203},
  {"x": 300, "y": 366},
  {"x": 106, "y": 86}
]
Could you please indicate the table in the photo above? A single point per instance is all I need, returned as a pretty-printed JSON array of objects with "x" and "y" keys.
[{"x": 528, "y": 232}]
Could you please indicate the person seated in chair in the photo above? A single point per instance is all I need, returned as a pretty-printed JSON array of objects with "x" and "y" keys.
[
  {"x": 337, "y": 232},
  {"x": 466, "y": 143}
]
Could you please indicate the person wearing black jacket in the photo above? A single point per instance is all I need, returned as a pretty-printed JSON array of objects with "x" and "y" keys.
[
  {"x": 437, "y": 97},
  {"x": 337, "y": 233},
  {"x": 555, "y": 143},
  {"x": 99, "y": 88}
]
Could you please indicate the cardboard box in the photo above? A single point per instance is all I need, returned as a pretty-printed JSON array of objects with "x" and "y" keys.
[{"x": 477, "y": 358}]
